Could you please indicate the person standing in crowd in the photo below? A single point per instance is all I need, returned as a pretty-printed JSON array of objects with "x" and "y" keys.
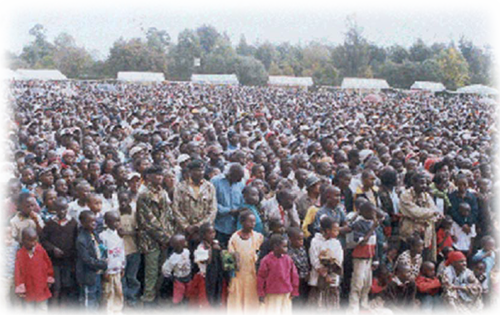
[
  {"x": 229, "y": 194},
  {"x": 155, "y": 227}
]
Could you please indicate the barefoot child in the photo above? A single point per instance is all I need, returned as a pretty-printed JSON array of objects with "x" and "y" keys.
[
  {"x": 33, "y": 272},
  {"x": 278, "y": 280}
]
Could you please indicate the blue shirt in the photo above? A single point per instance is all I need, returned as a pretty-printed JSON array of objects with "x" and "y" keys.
[
  {"x": 337, "y": 214},
  {"x": 8, "y": 260},
  {"x": 228, "y": 197}
]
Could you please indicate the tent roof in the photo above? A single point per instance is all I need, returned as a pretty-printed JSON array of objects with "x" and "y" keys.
[
  {"x": 7, "y": 74},
  {"x": 428, "y": 86},
  {"x": 478, "y": 89},
  {"x": 290, "y": 81},
  {"x": 368, "y": 84},
  {"x": 132, "y": 76},
  {"x": 43, "y": 74},
  {"x": 215, "y": 79}
]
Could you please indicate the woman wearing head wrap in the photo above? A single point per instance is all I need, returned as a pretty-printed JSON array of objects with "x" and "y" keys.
[{"x": 462, "y": 291}]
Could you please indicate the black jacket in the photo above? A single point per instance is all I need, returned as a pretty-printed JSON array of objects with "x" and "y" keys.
[{"x": 87, "y": 264}]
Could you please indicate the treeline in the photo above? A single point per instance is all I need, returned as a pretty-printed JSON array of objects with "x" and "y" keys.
[{"x": 206, "y": 50}]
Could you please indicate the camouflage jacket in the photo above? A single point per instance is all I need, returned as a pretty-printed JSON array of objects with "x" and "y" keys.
[
  {"x": 194, "y": 210},
  {"x": 155, "y": 220}
]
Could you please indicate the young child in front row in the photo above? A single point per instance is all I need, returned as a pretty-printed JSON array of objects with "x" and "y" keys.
[
  {"x": 428, "y": 287},
  {"x": 33, "y": 272},
  {"x": 91, "y": 261},
  {"x": 112, "y": 284},
  {"x": 298, "y": 253},
  {"x": 179, "y": 264},
  {"x": 244, "y": 243},
  {"x": 326, "y": 255},
  {"x": 8, "y": 250},
  {"x": 204, "y": 256},
  {"x": 277, "y": 279}
]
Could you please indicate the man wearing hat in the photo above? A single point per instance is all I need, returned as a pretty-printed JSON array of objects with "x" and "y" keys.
[{"x": 310, "y": 198}]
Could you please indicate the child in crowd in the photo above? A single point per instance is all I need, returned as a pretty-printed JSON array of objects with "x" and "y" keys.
[
  {"x": 487, "y": 255},
  {"x": 278, "y": 280},
  {"x": 444, "y": 236},
  {"x": 401, "y": 292},
  {"x": 363, "y": 229},
  {"x": 463, "y": 235},
  {"x": 179, "y": 265},
  {"x": 82, "y": 191},
  {"x": 58, "y": 238},
  {"x": 112, "y": 284},
  {"x": 380, "y": 281},
  {"x": 26, "y": 216},
  {"x": 480, "y": 274},
  {"x": 128, "y": 230},
  {"x": 413, "y": 256},
  {"x": 33, "y": 272},
  {"x": 326, "y": 256},
  {"x": 389, "y": 258},
  {"x": 8, "y": 206},
  {"x": 8, "y": 251},
  {"x": 442, "y": 257},
  {"x": 252, "y": 199},
  {"x": 95, "y": 205},
  {"x": 48, "y": 211},
  {"x": 276, "y": 227},
  {"x": 211, "y": 289},
  {"x": 299, "y": 255},
  {"x": 91, "y": 261},
  {"x": 428, "y": 287},
  {"x": 244, "y": 243}
]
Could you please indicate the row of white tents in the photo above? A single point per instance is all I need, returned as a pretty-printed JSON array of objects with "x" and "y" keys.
[{"x": 350, "y": 84}]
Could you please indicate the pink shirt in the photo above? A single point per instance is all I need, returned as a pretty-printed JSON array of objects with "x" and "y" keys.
[{"x": 277, "y": 276}]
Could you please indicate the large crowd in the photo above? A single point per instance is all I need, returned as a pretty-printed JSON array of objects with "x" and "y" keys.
[{"x": 178, "y": 196}]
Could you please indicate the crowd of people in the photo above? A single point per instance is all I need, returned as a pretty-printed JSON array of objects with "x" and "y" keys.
[{"x": 244, "y": 198}]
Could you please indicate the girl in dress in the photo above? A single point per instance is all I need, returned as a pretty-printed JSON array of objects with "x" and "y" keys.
[{"x": 244, "y": 244}]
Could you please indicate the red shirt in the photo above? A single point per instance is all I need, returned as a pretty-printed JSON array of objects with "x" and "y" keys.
[
  {"x": 277, "y": 276},
  {"x": 32, "y": 274},
  {"x": 426, "y": 285},
  {"x": 447, "y": 242}
]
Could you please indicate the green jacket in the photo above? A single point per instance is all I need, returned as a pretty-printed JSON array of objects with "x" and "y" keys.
[{"x": 155, "y": 220}]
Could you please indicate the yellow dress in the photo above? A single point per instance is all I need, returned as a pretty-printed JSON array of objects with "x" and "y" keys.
[{"x": 242, "y": 293}]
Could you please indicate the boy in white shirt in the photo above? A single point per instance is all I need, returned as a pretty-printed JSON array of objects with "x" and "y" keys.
[
  {"x": 180, "y": 265},
  {"x": 112, "y": 284},
  {"x": 462, "y": 238}
]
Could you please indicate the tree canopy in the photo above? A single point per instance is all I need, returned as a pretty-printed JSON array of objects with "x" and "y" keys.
[{"x": 453, "y": 65}]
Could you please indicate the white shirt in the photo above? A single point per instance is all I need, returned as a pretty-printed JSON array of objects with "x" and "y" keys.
[
  {"x": 179, "y": 264},
  {"x": 318, "y": 245},
  {"x": 74, "y": 210},
  {"x": 463, "y": 240},
  {"x": 115, "y": 249}
]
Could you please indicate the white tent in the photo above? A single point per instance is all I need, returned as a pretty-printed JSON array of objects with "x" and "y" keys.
[
  {"x": 477, "y": 89},
  {"x": 7, "y": 74},
  {"x": 131, "y": 76},
  {"x": 428, "y": 86},
  {"x": 229, "y": 79},
  {"x": 290, "y": 81},
  {"x": 364, "y": 84},
  {"x": 43, "y": 75}
]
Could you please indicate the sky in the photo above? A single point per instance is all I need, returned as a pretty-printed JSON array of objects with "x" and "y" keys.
[{"x": 97, "y": 24}]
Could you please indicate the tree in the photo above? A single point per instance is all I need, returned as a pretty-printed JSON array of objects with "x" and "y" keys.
[
  {"x": 157, "y": 39},
  {"x": 243, "y": 48},
  {"x": 480, "y": 63},
  {"x": 183, "y": 54},
  {"x": 454, "y": 68},
  {"x": 266, "y": 53},
  {"x": 208, "y": 37},
  {"x": 251, "y": 71},
  {"x": 70, "y": 59},
  {"x": 398, "y": 54},
  {"x": 419, "y": 52},
  {"x": 38, "y": 54}
]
